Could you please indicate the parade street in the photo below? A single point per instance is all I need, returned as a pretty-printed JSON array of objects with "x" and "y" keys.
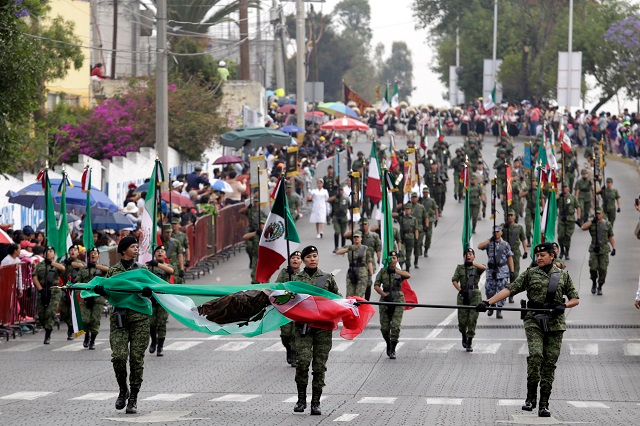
[{"x": 218, "y": 380}]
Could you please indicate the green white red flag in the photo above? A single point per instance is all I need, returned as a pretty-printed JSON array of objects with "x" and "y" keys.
[
  {"x": 374, "y": 188},
  {"x": 149, "y": 222}
]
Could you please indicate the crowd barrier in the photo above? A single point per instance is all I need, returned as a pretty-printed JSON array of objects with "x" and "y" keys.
[{"x": 16, "y": 311}]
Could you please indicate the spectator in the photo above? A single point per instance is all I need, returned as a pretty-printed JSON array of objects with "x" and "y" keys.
[
  {"x": 96, "y": 72},
  {"x": 238, "y": 189},
  {"x": 187, "y": 216},
  {"x": 13, "y": 258},
  {"x": 195, "y": 178},
  {"x": 26, "y": 249},
  {"x": 131, "y": 213},
  {"x": 223, "y": 72}
]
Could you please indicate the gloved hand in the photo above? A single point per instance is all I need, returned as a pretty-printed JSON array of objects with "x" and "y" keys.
[
  {"x": 290, "y": 270},
  {"x": 391, "y": 270},
  {"x": 613, "y": 252},
  {"x": 181, "y": 273},
  {"x": 435, "y": 224},
  {"x": 618, "y": 210},
  {"x": 187, "y": 263},
  {"x": 525, "y": 255},
  {"x": 482, "y": 306},
  {"x": 425, "y": 229},
  {"x": 152, "y": 262},
  {"x": 146, "y": 292},
  {"x": 493, "y": 238},
  {"x": 91, "y": 265},
  {"x": 512, "y": 277},
  {"x": 468, "y": 263},
  {"x": 579, "y": 222},
  {"x": 67, "y": 261},
  {"x": 99, "y": 289},
  {"x": 47, "y": 262},
  {"x": 559, "y": 309}
]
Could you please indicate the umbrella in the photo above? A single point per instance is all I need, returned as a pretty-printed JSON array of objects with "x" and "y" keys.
[
  {"x": 317, "y": 117},
  {"x": 344, "y": 123},
  {"x": 142, "y": 188},
  {"x": 32, "y": 196},
  {"x": 117, "y": 221},
  {"x": 286, "y": 108},
  {"x": 5, "y": 238},
  {"x": 258, "y": 136},
  {"x": 220, "y": 185},
  {"x": 176, "y": 198},
  {"x": 338, "y": 109},
  {"x": 292, "y": 129},
  {"x": 228, "y": 159}
]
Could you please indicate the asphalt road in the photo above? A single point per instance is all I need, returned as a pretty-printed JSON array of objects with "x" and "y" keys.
[{"x": 240, "y": 381}]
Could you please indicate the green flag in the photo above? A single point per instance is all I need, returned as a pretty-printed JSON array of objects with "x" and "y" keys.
[
  {"x": 64, "y": 238},
  {"x": 50, "y": 227},
  {"x": 537, "y": 231},
  {"x": 150, "y": 215},
  {"x": 87, "y": 236},
  {"x": 467, "y": 227},
  {"x": 386, "y": 224},
  {"x": 552, "y": 211}
]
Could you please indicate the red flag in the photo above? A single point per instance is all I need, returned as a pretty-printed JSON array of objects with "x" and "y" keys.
[
  {"x": 410, "y": 296},
  {"x": 509, "y": 186}
]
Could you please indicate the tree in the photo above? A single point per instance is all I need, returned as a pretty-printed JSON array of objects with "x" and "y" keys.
[
  {"x": 623, "y": 38},
  {"x": 188, "y": 16},
  {"x": 355, "y": 17},
  {"x": 399, "y": 67}
]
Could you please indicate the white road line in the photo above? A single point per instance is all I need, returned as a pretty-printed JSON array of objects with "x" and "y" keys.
[
  {"x": 181, "y": 346},
  {"x": 336, "y": 272},
  {"x": 27, "y": 396},
  {"x": 444, "y": 401},
  {"x": 509, "y": 402},
  {"x": 346, "y": 417},
  {"x": 524, "y": 350},
  {"x": 74, "y": 347},
  {"x": 22, "y": 347},
  {"x": 234, "y": 346},
  {"x": 377, "y": 400},
  {"x": 295, "y": 398},
  {"x": 235, "y": 397},
  {"x": 98, "y": 396},
  {"x": 276, "y": 347},
  {"x": 438, "y": 348},
  {"x": 632, "y": 349},
  {"x": 587, "y": 404},
  {"x": 486, "y": 348},
  {"x": 381, "y": 346},
  {"x": 583, "y": 349},
  {"x": 341, "y": 347},
  {"x": 168, "y": 397}
]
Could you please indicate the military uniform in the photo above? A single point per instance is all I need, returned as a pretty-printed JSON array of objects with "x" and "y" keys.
[
  {"x": 253, "y": 215},
  {"x": 514, "y": 235},
  {"x": 70, "y": 275},
  {"x": 254, "y": 243},
  {"x": 286, "y": 331},
  {"x": 516, "y": 188},
  {"x": 294, "y": 201},
  {"x": 585, "y": 197},
  {"x": 372, "y": 241},
  {"x": 174, "y": 249},
  {"x": 468, "y": 277},
  {"x": 160, "y": 316},
  {"x": 339, "y": 209},
  {"x": 530, "y": 212},
  {"x": 358, "y": 278},
  {"x": 436, "y": 186},
  {"x": 390, "y": 316},
  {"x": 408, "y": 227},
  {"x": 475, "y": 200},
  {"x": 567, "y": 205},
  {"x": 431, "y": 207},
  {"x": 498, "y": 267},
  {"x": 457, "y": 164},
  {"x": 420, "y": 214},
  {"x": 599, "y": 250},
  {"x": 92, "y": 307},
  {"x": 609, "y": 198},
  {"x": 182, "y": 238},
  {"x": 570, "y": 168},
  {"x": 49, "y": 297}
]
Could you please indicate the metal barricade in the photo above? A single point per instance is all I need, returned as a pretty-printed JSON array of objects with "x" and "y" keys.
[
  {"x": 230, "y": 227},
  {"x": 199, "y": 238},
  {"x": 28, "y": 303},
  {"x": 8, "y": 293}
]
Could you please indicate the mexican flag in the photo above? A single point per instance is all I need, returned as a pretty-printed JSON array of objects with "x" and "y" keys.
[
  {"x": 564, "y": 140},
  {"x": 64, "y": 238},
  {"x": 50, "y": 228},
  {"x": 489, "y": 103},
  {"x": 395, "y": 99},
  {"x": 384, "y": 106},
  {"x": 551, "y": 209},
  {"x": 87, "y": 235},
  {"x": 148, "y": 226},
  {"x": 278, "y": 238},
  {"x": 424, "y": 138},
  {"x": 547, "y": 154},
  {"x": 439, "y": 135},
  {"x": 467, "y": 227},
  {"x": 76, "y": 314},
  {"x": 374, "y": 188},
  {"x": 535, "y": 239}
]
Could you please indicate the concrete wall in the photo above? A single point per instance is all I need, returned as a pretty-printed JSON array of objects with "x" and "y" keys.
[{"x": 239, "y": 94}]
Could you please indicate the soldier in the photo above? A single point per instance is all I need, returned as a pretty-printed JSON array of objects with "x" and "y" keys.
[
  {"x": 253, "y": 239},
  {"x": 584, "y": 194},
  {"x": 159, "y": 318},
  {"x": 184, "y": 241},
  {"x": 500, "y": 266},
  {"x": 482, "y": 175},
  {"x": 601, "y": 236},
  {"x": 515, "y": 236},
  {"x": 570, "y": 169},
  {"x": 92, "y": 307},
  {"x": 476, "y": 197},
  {"x": 370, "y": 239},
  {"x": 474, "y": 154},
  {"x": 408, "y": 232},
  {"x": 253, "y": 214},
  {"x": 546, "y": 286},
  {"x": 294, "y": 201},
  {"x": 332, "y": 185},
  {"x": 457, "y": 164},
  {"x": 339, "y": 208},
  {"x": 567, "y": 207},
  {"x": 433, "y": 215},
  {"x": 610, "y": 197},
  {"x": 72, "y": 266},
  {"x": 358, "y": 163},
  {"x": 500, "y": 166},
  {"x": 46, "y": 278},
  {"x": 465, "y": 279},
  {"x": 389, "y": 286},
  {"x": 436, "y": 184},
  {"x": 360, "y": 266},
  {"x": 420, "y": 214},
  {"x": 286, "y": 331},
  {"x": 174, "y": 252},
  {"x": 312, "y": 345}
]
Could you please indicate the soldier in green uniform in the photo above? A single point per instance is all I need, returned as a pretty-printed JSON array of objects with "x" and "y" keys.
[
  {"x": 436, "y": 184},
  {"x": 546, "y": 286},
  {"x": 397, "y": 239},
  {"x": 408, "y": 232},
  {"x": 570, "y": 169},
  {"x": 465, "y": 279},
  {"x": 72, "y": 266},
  {"x": 253, "y": 214},
  {"x": 174, "y": 251},
  {"x": 457, "y": 164},
  {"x": 358, "y": 163},
  {"x": 46, "y": 278},
  {"x": 286, "y": 331},
  {"x": 253, "y": 238},
  {"x": 420, "y": 214},
  {"x": 339, "y": 208},
  {"x": 500, "y": 166},
  {"x": 601, "y": 236},
  {"x": 370, "y": 239},
  {"x": 389, "y": 286},
  {"x": 567, "y": 207},
  {"x": 159, "y": 318},
  {"x": 294, "y": 201},
  {"x": 312, "y": 345},
  {"x": 360, "y": 266},
  {"x": 584, "y": 193},
  {"x": 610, "y": 200},
  {"x": 92, "y": 307},
  {"x": 184, "y": 242},
  {"x": 433, "y": 214},
  {"x": 476, "y": 198},
  {"x": 474, "y": 154},
  {"x": 514, "y": 235}
]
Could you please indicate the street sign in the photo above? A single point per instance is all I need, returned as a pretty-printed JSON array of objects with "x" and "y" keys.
[
  {"x": 456, "y": 97},
  {"x": 314, "y": 91},
  {"x": 569, "y": 78},
  {"x": 487, "y": 80}
]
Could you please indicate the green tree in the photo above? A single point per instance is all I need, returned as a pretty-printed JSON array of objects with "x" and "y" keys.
[
  {"x": 188, "y": 16},
  {"x": 399, "y": 67}
]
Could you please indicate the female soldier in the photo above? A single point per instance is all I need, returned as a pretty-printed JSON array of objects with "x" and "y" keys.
[
  {"x": 92, "y": 307},
  {"x": 465, "y": 279},
  {"x": 159, "y": 318}
]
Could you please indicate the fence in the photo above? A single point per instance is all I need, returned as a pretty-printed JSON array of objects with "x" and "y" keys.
[{"x": 15, "y": 309}]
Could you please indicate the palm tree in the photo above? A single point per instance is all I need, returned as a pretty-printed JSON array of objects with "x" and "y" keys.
[{"x": 187, "y": 16}]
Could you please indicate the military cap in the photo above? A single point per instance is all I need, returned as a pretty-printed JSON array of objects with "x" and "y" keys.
[
  {"x": 457, "y": 149},
  {"x": 393, "y": 253},
  {"x": 584, "y": 172},
  {"x": 175, "y": 219},
  {"x": 544, "y": 247},
  {"x": 565, "y": 184},
  {"x": 167, "y": 227},
  {"x": 357, "y": 234},
  {"x": 127, "y": 242},
  {"x": 411, "y": 142},
  {"x": 469, "y": 250},
  {"x": 429, "y": 151},
  {"x": 255, "y": 198},
  {"x": 364, "y": 221},
  {"x": 593, "y": 140},
  {"x": 360, "y": 153},
  {"x": 497, "y": 228},
  {"x": 308, "y": 250},
  {"x": 414, "y": 194},
  {"x": 159, "y": 248},
  {"x": 289, "y": 185},
  {"x": 295, "y": 253},
  {"x": 425, "y": 189},
  {"x": 263, "y": 218},
  {"x": 501, "y": 151},
  {"x": 74, "y": 247},
  {"x": 511, "y": 212},
  {"x": 609, "y": 180},
  {"x": 50, "y": 248},
  {"x": 407, "y": 206},
  {"x": 599, "y": 210}
]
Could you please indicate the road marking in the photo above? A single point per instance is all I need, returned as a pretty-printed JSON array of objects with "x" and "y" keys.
[
  {"x": 486, "y": 348},
  {"x": 157, "y": 417},
  {"x": 234, "y": 346},
  {"x": 444, "y": 401},
  {"x": 74, "y": 347},
  {"x": 181, "y": 346},
  {"x": 509, "y": 402},
  {"x": 235, "y": 397},
  {"x": 335, "y": 272},
  {"x": 583, "y": 348},
  {"x": 524, "y": 350},
  {"x": 377, "y": 400},
  {"x": 587, "y": 404},
  {"x": 437, "y": 348},
  {"x": 276, "y": 347},
  {"x": 168, "y": 397},
  {"x": 22, "y": 347},
  {"x": 346, "y": 417},
  {"x": 341, "y": 347},
  {"x": 383, "y": 346},
  {"x": 98, "y": 396},
  {"x": 632, "y": 349},
  {"x": 295, "y": 399},
  {"x": 27, "y": 396}
]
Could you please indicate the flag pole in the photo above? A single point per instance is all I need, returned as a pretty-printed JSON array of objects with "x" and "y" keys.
[
  {"x": 351, "y": 203},
  {"x": 154, "y": 235},
  {"x": 286, "y": 220},
  {"x": 170, "y": 187},
  {"x": 259, "y": 198}
]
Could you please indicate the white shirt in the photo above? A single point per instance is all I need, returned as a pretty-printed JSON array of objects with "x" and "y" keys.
[{"x": 10, "y": 260}]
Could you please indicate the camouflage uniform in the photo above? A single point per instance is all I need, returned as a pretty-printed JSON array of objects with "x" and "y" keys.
[
  {"x": 544, "y": 347},
  {"x": 339, "y": 208},
  {"x": 175, "y": 248},
  {"x": 294, "y": 202},
  {"x": 358, "y": 278},
  {"x": 458, "y": 165},
  {"x": 585, "y": 197},
  {"x": 599, "y": 250},
  {"x": 49, "y": 299},
  {"x": 566, "y": 221},
  {"x": 70, "y": 275},
  {"x": 92, "y": 307},
  {"x": 184, "y": 242},
  {"x": 372, "y": 241},
  {"x": 390, "y": 316},
  {"x": 420, "y": 214},
  {"x": 467, "y": 318},
  {"x": 516, "y": 204},
  {"x": 570, "y": 168},
  {"x": 437, "y": 187},
  {"x": 254, "y": 243},
  {"x": 497, "y": 278},
  {"x": 431, "y": 207},
  {"x": 254, "y": 223},
  {"x": 475, "y": 192},
  {"x": 609, "y": 198},
  {"x": 514, "y": 235},
  {"x": 408, "y": 226},
  {"x": 159, "y": 317}
]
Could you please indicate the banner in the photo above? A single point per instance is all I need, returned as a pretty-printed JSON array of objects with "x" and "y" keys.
[
  {"x": 292, "y": 162},
  {"x": 409, "y": 177},
  {"x": 509, "y": 187},
  {"x": 527, "y": 156},
  {"x": 254, "y": 162},
  {"x": 350, "y": 95},
  {"x": 355, "y": 190}
]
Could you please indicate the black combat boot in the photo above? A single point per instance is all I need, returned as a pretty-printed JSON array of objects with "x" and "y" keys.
[
  {"x": 160, "y": 346},
  {"x": 543, "y": 410},
  {"x": 415, "y": 264},
  {"x": 499, "y": 314},
  {"x": 465, "y": 340},
  {"x": 124, "y": 391},
  {"x": 154, "y": 341},
  {"x": 594, "y": 279},
  {"x": 132, "y": 403},
  {"x": 47, "y": 337},
  {"x": 92, "y": 342},
  {"x": 87, "y": 337},
  {"x": 469, "y": 343},
  {"x": 287, "y": 347},
  {"x": 336, "y": 237},
  {"x": 566, "y": 254},
  {"x": 392, "y": 355},
  {"x": 301, "y": 405},
  {"x": 388, "y": 342},
  {"x": 599, "y": 289},
  {"x": 532, "y": 395},
  {"x": 70, "y": 332},
  {"x": 315, "y": 401}
]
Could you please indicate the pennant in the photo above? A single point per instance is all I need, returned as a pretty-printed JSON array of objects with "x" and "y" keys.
[
  {"x": 50, "y": 228},
  {"x": 351, "y": 95},
  {"x": 374, "y": 186},
  {"x": 64, "y": 238},
  {"x": 551, "y": 209},
  {"x": 467, "y": 225}
]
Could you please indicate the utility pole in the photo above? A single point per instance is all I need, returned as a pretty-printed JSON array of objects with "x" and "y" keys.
[
  {"x": 162, "y": 102},
  {"x": 300, "y": 55},
  {"x": 114, "y": 39},
  {"x": 245, "y": 73},
  {"x": 276, "y": 20},
  {"x": 135, "y": 10},
  {"x": 495, "y": 41},
  {"x": 569, "y": 53}
]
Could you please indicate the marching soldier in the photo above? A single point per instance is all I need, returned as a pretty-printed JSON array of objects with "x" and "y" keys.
[
  {"x": 46, "y": 278},
  {"x": 72, "y": 266},
  {"x": 482, "y": 175},
  {"x": 174, "y": 251},
  {"x": 339, "y": 208},
  {"x": 570, "y": 169},
  {"x": 360, "y": 266},
  {"x": 601, "y": 236},
  {"x": 389, "y": 286},
  {"x": 584, "y": 188},
  {"x": 371, "y": 240},
  {"x": 433, "y": 215},
  {"x": 332, "y": 185},
  {"x": 546, "y": 286},
  {"x": 184, "y": 242},
  {"x": 294, "y": 201},
  {"x": 465, "y": 279},
  {"x": 499, "y": 166},
  {"x": 436, "y": 184},
  {"x": 476, "y": 197},
  {"x": 457, "y": 164},
  {"x": 286, "y": 331},
  {"x": 408, "y": 233},
  {"x": 253, "y": 214},
  {"x": 159, "y": 318},
  {"x": 92, "y": 307},
  {"x": 253, "y": 240},
  {"x": 531, "y": 193},
  {"x": 610, "y": 198},
  {"x": 514, "y": 235},
  {"x": 312, "y": 345},
  {"x": 500, "y": 266},
  {"x": 567, "y": 207},
  {"x": 420, "y": 214}
]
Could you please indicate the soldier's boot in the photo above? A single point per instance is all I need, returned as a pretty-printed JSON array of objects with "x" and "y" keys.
[
  {"x": 70, "y": 332},
  {"x": 469, "y": 344},
  {"x": 599, "y": 290},
  {"x": 415, "y": 264},
  {"x": 532, "y": 395},
  {"x": 301, "y": 405},
  {"x": 47, "y": 337},
  {"x": 388, "y": 342},
  {"x": 566, "y": 254},
  {"x": 594, "y": 279},
  {"x": 543, "y": 410},
  {"x": 154, "y": 341},
  {"x": 132, "y": 403},
  {"x": 499, "y": 314},
  {"x": 465, "y": 340},
  {"x": 124, "y": 391},
  {"x": 315, "y": 401},
  {"x": 92, "y": 342},
  {"x": 160, "y": 346},
  {"x": 87, "y": 337},
  {"x": 287, "y": 347},
  {"x": 511, "y": 299},
  {"x": 336, "y": 238},
  {"x": 561, "y": 251},
  {"x": 392, "y": 355}
]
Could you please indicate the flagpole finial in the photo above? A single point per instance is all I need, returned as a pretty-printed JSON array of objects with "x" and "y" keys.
[{"x": 46, "y": 164}]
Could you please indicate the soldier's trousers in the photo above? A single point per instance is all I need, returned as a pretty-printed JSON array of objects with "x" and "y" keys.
[
  {"x": 47, "y": 314},
  {"x": 493, "y": 286},
  {"x": 65, "y": 309},
  {"x": 286, "y": 334},
  {"x": 585, "y": 209},
  {"x": 528, "y": 223},
  {"x": 131, "y": 342},
  {"x": 418, "y": 246},
  {"x": 458, "y": 186},
  {"x": 611, "y": 215},
  {"x": 516, "y": 261},
  {"x": 544, "y": 350},
  {"x": 440, "y": 198},
  {"x": 475, "y": 212},
  {"x": 177, "y": 279},
  {"x": 565, "y": 232},
  {"x": 311, "y": 349},
  {"x": 92, "y": 308},
  {"x": 359, "y": 287},
  {"x": 468, "y": 318},
  {"x": 599, "y": 262},
  {"x": 427, "y": 237},
  {"x": 391, "y": 319},
  {"x": 340, "y": 226},
  {"x": 254, "y": 265},
  {"x": 408, "y": 246},
  {"x": 158, "y": 321}
]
